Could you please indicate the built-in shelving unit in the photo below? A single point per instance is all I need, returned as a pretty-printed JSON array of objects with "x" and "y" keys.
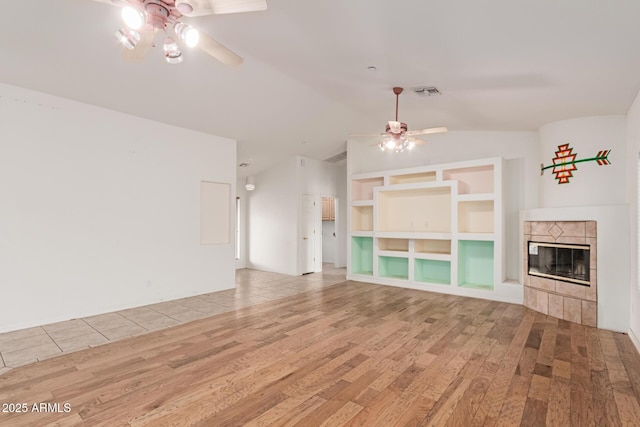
[{"x": 436, "y": 227}]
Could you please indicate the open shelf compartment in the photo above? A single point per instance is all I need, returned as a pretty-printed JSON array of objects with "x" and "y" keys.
[
  {"x": 432, "y": 246},
  {"x": 401, "y": 245},
  {"x": 471, "y": 180},
  {"x": 413, "y": 177},
  {"x": 362, "y": 218},
  {"x": 475, "y": 216},
  {"x": 475, "y": 264},
  {"x": 393, "y": 267},
  {"x": 362, "y": 189},
  {"x": 433, "y": 271},
  {"x": 362, "y": 255},
  {"x": 416, "y": 210}
]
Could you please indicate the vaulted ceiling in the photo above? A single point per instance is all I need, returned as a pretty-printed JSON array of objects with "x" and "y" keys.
[{"x": 305, "y": 84}]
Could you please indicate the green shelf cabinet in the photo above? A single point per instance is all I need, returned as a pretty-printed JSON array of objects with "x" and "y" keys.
[
  {"x": 475, "y": 264},
  {"x": 362, "y": 255},
  {"x": 393, "y": 267},
  {"x": 433, "y": 271}
]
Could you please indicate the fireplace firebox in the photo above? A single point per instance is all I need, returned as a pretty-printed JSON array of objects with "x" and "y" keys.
[{"x": 565, "y": 262}]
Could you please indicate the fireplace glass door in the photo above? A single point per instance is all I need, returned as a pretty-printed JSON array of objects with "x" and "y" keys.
[{"x": 569, "y": 263}]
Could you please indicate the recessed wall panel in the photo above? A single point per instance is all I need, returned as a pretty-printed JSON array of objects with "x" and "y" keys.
[{"x": 215, "y": 221}]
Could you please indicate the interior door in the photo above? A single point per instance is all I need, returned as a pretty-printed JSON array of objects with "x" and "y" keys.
[{"x": 308, "y": 235}]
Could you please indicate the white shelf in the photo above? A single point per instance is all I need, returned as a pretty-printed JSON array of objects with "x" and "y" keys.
[
  {"x": 362, "y": 233},
  {"x": 433, "y": 256},
  {"x": 395, "y": 254},
  {"x": 476, "y": 236},
  {"x": 436, "y": 227},
  {"x": 412, "y": 235},
  {"x": 475, "y": 197}
]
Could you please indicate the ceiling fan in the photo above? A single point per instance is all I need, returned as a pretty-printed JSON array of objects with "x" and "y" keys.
[
  {"x": 397, "y": 137},
  {"x": 144, "y": 18}
]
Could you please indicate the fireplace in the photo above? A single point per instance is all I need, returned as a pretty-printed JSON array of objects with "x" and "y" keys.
[
  {"x": 569, "y": 263},
  {"x": 560, "y": 269}
]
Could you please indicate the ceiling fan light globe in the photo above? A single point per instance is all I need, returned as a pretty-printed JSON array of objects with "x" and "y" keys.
[
  {"x": 184, "y": 7},
  {"x": 174, "y": 59},
  {"x": 189, "y": 35},
  {"x": 390, "y": 144},
  {"x": 133, "y": 18},
  {"x": 172, "y": 53}
]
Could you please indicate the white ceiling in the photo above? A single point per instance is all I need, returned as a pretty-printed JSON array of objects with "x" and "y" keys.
[{"x": 304, "y": 86}]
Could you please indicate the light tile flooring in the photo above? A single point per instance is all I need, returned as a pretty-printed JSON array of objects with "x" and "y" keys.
[{"x": 252, "y": 287}]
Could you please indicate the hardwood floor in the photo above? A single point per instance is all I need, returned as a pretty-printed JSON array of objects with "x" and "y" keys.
[{"x": 350, "y": 354}]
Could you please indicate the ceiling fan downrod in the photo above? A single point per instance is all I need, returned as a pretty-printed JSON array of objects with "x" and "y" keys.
[{"x": 397, "y": 91}]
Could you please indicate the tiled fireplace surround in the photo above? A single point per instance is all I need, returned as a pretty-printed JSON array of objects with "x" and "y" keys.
[{"x": 564, "y": 300}]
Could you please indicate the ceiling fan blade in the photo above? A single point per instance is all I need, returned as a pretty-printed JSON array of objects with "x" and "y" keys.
[
  {"x": 426, "y": 131},
  {"x": 416, "y": 141},
  {"x": 218, "y": 51},
  {"x": 138, "y": 53},
  {"x": 119, "y": 3},
  {"x": 218, "y": 7}
]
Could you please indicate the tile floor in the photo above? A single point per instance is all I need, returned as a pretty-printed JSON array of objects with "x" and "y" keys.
[{"x": 252, "y": 287}]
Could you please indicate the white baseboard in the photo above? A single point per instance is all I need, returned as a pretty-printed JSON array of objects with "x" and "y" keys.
[{"x": 634, "y": 340}]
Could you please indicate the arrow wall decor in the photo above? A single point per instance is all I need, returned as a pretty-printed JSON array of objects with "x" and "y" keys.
[{"x": 564, "y": 163}]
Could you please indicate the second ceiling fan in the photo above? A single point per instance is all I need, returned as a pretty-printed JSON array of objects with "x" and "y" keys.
[{"x": 397, "y": 136}]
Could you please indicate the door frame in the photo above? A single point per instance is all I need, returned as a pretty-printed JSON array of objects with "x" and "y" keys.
[{"x": 302, "y": 261}]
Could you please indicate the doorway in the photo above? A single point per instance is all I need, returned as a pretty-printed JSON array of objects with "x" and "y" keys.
[
  {"x": 329, "y": 241},
  {"x": 307, "y": 251}
]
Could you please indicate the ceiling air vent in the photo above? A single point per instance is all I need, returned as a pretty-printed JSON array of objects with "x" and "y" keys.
[
  {"x": 337, "y": 157},
  {"x": 426, "y": 90}
]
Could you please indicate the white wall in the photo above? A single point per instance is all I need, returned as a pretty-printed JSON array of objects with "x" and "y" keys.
[
  {"x": 316, "y": 178},
  {"x": 100, "y": 211},
  {"x": 342, "y": 203},
  {"x": 591, "y": 184},
  {"x": 632, "y": 155},
  {"x": 272, "y": 219},
  {"x": 521, "y": 171}
]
